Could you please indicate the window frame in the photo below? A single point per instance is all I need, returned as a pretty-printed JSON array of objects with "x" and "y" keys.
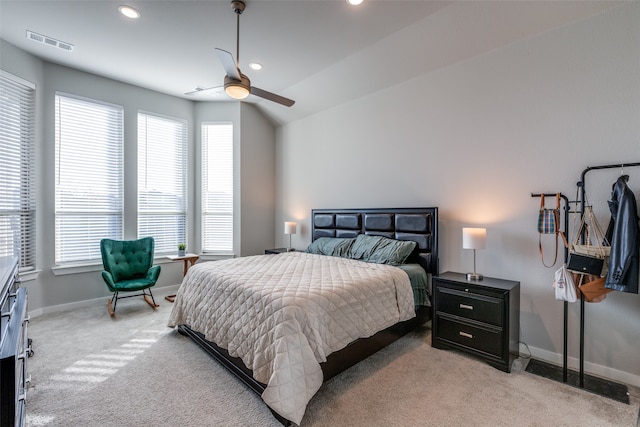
[
  {"x": 25, "y": 168},
  {"x": 115, "y": 178},
  {"x": 230, "y": 214},
  {"x": 184, "y": 124}
]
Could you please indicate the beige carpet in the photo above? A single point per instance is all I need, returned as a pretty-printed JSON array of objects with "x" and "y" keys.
[{"x": 92, "y": 370}]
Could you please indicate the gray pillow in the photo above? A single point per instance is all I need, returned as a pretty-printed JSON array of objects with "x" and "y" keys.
[
  {"x": 332, "y": 246},
  {"x": 381, "y": 250},
  {"x": 363, "y": 247}
]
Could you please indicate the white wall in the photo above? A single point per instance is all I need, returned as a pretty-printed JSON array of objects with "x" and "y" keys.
[
  {"x": 476, "y": 139},
  {"x": 53, "y": 289}
]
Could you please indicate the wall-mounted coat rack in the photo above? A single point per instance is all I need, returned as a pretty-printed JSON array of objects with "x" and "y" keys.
[{"x": 596, "y": 385}]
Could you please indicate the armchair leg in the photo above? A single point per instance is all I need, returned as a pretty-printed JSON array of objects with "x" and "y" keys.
[
  {"x": 152, "y": 301},
  {"x": 111, "y": 304}
]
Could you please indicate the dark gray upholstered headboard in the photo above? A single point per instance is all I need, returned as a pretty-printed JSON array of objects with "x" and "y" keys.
[{"x": 417, "y": 224}]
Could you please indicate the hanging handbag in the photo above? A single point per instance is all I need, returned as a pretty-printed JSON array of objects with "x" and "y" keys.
[
  {"x": 564, "y": 286},
  {"x": 549, "y": 223},
  {"x": 591, "y": 287},
  {"x": 592, "y": 255}
]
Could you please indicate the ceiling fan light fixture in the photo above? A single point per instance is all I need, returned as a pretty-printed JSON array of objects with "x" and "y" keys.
[
  {"x": 237, "y": 85},
  {"x": 237, "y": 89}
]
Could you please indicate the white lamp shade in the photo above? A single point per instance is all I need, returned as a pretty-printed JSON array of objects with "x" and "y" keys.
[
  {"x": 290, "y": 227},
  {"x": 474, "y": 238}
]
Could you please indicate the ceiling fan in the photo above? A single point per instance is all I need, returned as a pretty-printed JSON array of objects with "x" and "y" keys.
[{"x": 236, "y": 84}]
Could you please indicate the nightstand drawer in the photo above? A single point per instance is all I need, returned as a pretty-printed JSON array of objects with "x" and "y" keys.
[
  {"x": 471, "y": 306},
  {"x": 472, "y": 337}
]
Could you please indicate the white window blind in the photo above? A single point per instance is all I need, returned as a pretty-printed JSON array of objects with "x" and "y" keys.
[
  {"x": 217, "y": 188},
  {"x": 162, "y": 177},
  {"x": 89, "y": 177},
  {"x": 17, "y": 171}
]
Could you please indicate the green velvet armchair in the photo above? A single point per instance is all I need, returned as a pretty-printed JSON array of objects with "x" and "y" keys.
[{"x": 128, "y": 267}]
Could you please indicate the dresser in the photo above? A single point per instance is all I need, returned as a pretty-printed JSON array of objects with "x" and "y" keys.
[
  {"x": 477, "y": 317},
  {"x": 14, "y": 345}
]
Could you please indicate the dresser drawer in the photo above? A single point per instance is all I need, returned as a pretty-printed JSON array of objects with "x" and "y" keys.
[
  {"x": 474, "y": 337},
  {"x": 471, "y": 306},
  {"x": 13, "y": 364}
]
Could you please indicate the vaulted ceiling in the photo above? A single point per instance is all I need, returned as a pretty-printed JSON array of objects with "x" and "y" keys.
[{"x": 321, "y": 53}]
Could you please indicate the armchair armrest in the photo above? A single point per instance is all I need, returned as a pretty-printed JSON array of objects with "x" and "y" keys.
[
  {"x": 153, "y": 273},
  {"x": 108, "y": 279}
]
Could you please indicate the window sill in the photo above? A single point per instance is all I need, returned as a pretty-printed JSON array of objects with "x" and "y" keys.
[
  {"x": 62, "y": 270},
  {"x": 28, "y": 276},
  {"x": 215, "y": 257}
]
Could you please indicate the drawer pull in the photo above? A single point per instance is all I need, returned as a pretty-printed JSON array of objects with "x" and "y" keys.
[
  {"x": 466, "y": 307},
  {"x": 464, "y": 334}
]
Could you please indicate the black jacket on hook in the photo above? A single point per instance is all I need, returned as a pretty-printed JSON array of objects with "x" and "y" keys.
[{"x": 623, "y": 234}]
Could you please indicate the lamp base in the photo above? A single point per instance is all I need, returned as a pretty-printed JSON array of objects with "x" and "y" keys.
[{"x": 474, "y": 276}]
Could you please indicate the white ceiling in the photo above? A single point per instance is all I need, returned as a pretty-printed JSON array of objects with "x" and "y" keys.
[{"x": 321, "y": 53}]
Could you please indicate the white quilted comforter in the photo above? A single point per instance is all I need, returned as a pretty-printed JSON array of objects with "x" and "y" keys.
[{"x": 284, "y": 314}]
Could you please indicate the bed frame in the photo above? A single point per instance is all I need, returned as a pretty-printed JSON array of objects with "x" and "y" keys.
[{"x": 416, "y": 224}]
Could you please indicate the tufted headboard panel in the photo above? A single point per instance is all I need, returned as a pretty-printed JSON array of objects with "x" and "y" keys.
[{"x": 417, "y": 224}]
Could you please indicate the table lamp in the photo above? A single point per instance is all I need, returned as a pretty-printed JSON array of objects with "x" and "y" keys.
[
  {"x": 290, "y": 228},
  {"x": 474, "y": 238}
]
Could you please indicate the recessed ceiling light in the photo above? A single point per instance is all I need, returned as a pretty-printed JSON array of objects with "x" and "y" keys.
[
  {"x": 354, "y": 2},
  {"x": 255, "y": 66},
  {"x": 129, "y": 12}
]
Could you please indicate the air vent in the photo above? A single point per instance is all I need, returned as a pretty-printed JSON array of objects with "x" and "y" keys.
[{"x": 49, "y": 41}]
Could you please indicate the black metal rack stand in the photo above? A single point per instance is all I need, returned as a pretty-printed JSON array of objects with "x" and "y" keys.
[{"x": 593, "y": 384}]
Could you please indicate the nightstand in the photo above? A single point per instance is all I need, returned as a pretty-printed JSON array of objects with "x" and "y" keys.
[
  {"x": 187, "y": 259},
  {"x": 275, "y": 251},
  {"x": 478, "y": 317}
]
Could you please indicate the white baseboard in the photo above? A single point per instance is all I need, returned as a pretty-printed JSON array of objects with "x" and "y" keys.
[
  {"x": 165, "y": 290},
  {"x": 589, "y": 367}
]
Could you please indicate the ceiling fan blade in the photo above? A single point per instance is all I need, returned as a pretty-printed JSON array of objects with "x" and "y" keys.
[
  {"x": 229, "y": 64},
  {"x": 203, "y": 90},
  {"x": 272, "y": 96}
]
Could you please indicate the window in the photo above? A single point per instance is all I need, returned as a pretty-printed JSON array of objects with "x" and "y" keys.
[
  {"x": 217, "y": 188},
  {"x": 17, "y": 159},
  {"x": 162, "y": 176},
  {"x": 89, "y": 182}
]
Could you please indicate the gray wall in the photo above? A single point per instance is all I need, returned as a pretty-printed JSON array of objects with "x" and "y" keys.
[
  {"x": 52, "y": 288},
  {"x": 257, "y": 175},
  {"x": 476, "y": 139}
]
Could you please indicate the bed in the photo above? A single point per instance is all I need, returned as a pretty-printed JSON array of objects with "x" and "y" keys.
[{"x": 285, "y": 323}]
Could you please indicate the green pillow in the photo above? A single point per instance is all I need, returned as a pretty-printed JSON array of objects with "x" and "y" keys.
[
  {"x": 363, "y": 247},
  {"x": 332, "y": 246},
  {"x": 381, "y": 250}
]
